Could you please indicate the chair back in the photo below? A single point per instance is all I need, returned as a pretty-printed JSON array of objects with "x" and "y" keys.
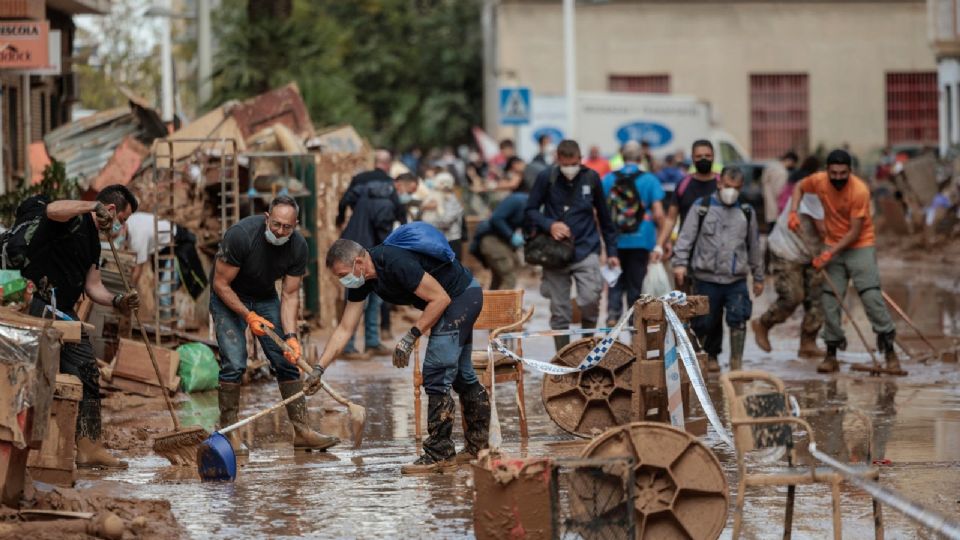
[
  {"x": 757, "y": 405},
  {"x": 500, "y": 308}
]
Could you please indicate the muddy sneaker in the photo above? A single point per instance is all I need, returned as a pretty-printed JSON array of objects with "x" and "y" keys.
[
  {"x": 379, "y": 350},
  {"x": 92, "y": 455},
  {"x": 808, "y": 346},
  {"x": 356, "y": 355},
  {"x": 713, "y": 365},
  {"x": 760, "y": 334},
  {"x": 426, "y": 465},
  {"x": 464, "y": 456}
]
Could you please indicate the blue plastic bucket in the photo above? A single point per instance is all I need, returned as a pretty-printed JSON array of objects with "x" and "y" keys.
[{"x": 216, "y": 460}]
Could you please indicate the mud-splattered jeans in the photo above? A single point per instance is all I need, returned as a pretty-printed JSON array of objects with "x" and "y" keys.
[
  {"x": 231, "y": 328},
  {"x": 447, "y": 361}
]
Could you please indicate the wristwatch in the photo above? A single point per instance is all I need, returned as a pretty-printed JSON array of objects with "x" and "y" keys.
[
  {"x": 289, "y": 335},
  {"x": 416, "y": 332}
]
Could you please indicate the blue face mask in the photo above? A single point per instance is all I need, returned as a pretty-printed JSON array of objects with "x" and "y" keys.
[
  {"x": 405, "y": 198},
  {"x": 117, "y": 226},
  {"x": 274, "y": 239},
  {"x": 351, "y": 281}
]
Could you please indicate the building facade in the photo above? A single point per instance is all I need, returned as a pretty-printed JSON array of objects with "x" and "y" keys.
[
  {"x": 32, "y": 105},
  {"x": 779, "y": 75}
]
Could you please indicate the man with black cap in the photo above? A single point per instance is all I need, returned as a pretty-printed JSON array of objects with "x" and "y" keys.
[{"x": 850, "y": 254}]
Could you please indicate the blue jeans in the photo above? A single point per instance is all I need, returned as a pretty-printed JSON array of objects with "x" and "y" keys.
[
  {"x": 231, "y": 338},
  {"x": 732, "y": 298},
  {"x": 371, "y": 325},
  {"x": 447, "y": 361}
]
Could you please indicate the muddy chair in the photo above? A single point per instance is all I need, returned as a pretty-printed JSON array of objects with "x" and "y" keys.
[
  {"x": 502, "y": 313},
  {"x": 762, "y": 421}
]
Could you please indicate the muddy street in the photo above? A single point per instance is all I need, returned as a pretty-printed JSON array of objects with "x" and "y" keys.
[{"x": 347, "y": 493}]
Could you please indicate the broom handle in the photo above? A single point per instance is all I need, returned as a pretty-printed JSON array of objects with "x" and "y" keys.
[
  {"x": 264, "y": 412},
  {"x": 849, "y": 316},
  {"x": 907, "y": 320},
  {"x": 306, "y": 368},
  {"x": 146, "y": 340}
]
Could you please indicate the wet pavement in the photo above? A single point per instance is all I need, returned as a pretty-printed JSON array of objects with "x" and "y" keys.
[{"x": 349, "y": 493}]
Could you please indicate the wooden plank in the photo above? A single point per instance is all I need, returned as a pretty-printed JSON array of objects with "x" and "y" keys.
[
  {"x": 133, "y": 363},
  {"x": 136, "y": 387},
  {"x": 71, "y": 330}
]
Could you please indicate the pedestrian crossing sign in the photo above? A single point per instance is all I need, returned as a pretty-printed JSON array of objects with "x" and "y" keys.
[{"x": 515, "y": 106}]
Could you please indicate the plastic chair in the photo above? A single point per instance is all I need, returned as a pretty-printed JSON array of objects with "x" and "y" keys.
[{"x": 763, "y": 421}]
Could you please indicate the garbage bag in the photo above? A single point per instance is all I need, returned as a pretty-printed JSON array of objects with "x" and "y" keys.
[
  {"x": 198, "y": 370},
  {"x": 656, "y": 282}
]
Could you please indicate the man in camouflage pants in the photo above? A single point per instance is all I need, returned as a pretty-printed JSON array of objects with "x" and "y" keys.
[{"x": 796, "y": 280}]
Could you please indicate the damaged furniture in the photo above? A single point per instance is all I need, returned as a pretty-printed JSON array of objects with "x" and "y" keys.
[{"x": 762, "y": 421}]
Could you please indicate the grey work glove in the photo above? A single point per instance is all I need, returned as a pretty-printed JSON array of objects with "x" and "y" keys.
[
  {"x": 401, "y": 355},
  {"x": 126, "y": 303},
  {"x": 313, "y": 383},
  {"x": 104, "y": 218}
]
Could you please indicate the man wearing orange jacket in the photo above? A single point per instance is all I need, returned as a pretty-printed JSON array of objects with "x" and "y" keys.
[{"x": 849, "y": 255}]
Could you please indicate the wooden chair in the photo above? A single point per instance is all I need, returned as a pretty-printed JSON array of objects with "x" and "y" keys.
[
  {"x": 763, "y": 421},
  {"x": 502, "y": 313}
]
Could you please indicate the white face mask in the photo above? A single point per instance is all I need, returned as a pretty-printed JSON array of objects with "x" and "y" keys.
[
  {"x": 729, "y": 195},
  {"x": 274, "y": 239},
  {"x": 570, "y": 171},
  {"x": 351, "y": 281}
]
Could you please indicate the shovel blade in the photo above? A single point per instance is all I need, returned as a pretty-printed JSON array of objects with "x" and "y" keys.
[{"x": 216, "y": 460}]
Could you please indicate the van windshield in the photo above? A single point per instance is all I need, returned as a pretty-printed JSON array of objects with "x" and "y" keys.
[{"x": 729, "y": 154}]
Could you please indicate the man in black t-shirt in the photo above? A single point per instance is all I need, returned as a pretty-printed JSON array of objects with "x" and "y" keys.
[
  {"x": 64, "y": 254},
  {"x": 253, "y": 255},
  {"x": 692, "y": 188},
  {"x": 451, "y": 300}
]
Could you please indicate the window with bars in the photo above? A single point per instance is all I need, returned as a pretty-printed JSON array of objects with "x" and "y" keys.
[
  {"x": 912, "y": 101},
  {"x": 779, "y": 114},
  {"x": 653, "y": 84}
]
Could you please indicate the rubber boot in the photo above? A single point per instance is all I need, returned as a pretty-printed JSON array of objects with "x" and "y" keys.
[
  {"x": 304, "y": 438},
  {"x": 760, "y": 331},
  {"x": 713, "y": 365},
  {"x": 560, "y": 342},
  {"x": 475, "y": 404},
  {"x": 829, "y": 363},
  {"x": 885, "y": 343},
  {"x": 808, "y": 346},
  {"x": 438, "y": 451},
  {"x": 90, "y": 451},
  {"x": 228, "y": 397},
  {"x": 738, "y": 336}
]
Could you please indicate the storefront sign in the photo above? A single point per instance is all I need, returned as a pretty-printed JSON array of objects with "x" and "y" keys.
[{"x": 24, "y": 44}]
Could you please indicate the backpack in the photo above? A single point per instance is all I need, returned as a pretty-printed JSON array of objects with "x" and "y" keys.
[
  {"x": 423, "y": 238},
  {"x": 16, "y": 241},
  {"x": 704, "y": 207},
  {"x": 625, "y": 203}
]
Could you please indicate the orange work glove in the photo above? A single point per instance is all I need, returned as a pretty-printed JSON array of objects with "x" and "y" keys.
[
  {"x": 257, "y": 323},
  {"x": 294, "y": 353},
  {"x": 821, "y": 260},
  {"x": 793, "y": 221}
]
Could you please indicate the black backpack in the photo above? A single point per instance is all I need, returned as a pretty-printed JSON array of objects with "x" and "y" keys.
[
  {"x": 16, "y": 241},
  {"x": 624, "y": 200}
]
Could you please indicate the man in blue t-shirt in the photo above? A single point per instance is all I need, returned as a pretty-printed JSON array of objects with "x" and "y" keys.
[{"x": 637, "y": 211}]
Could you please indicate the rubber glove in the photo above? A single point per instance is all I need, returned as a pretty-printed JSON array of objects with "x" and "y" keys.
[
  {"x": 517, "y": 239},
  {"x": 313, "y": 385},
  {"x": 294, "y": 353},
  {"x": 793, "y": 221},
  {"x": 401, "y": 355},
  {"x": 821, "y": 260},
  {"x": 257, "y": 323}
]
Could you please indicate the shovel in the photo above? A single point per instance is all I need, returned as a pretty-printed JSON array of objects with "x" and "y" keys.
[{"x": 358, "y": 414}]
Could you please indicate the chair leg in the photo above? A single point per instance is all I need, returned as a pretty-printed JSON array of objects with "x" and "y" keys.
[
  {"x": 788, "y": 518},
  {"x": 877, "y": 520},
  {"x": 738, "y": 510},
  {"x": 417, "y": 382},
  {"x": 521, "y": 405},
  {"x": 837, "y": 525}
]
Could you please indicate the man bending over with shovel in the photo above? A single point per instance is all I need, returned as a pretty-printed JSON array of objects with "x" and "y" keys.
[
  {"x": 850, "y": 255},
  {"x": 254, "y": 254},
  {"x": 451, "y": 300}
]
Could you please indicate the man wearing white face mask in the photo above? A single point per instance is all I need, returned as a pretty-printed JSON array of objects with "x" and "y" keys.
[
  {"x": 720, "y": 244},
  {"x": 253, "y": 255}
]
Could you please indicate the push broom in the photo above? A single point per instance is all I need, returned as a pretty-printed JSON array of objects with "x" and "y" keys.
[{"x": 180, "y": 445}]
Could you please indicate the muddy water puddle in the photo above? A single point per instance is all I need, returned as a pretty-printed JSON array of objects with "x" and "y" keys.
[{"x": 347, "y": 493}]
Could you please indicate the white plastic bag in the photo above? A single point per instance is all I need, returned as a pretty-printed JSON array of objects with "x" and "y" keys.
[{"x": 656, "y": 283}]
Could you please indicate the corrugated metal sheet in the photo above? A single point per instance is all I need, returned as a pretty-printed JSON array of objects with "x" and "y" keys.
[{"x": 85, "y": 146}]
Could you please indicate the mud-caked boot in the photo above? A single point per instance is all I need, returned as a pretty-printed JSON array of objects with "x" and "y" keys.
[
  {"x": 760, "y": 334},
  {"x": 885, "y": 344},
  {"x": 738, "y": 337},
  {"x": 808, "y": 346},
  {"x": 304, "y": 438},
  {"x": 713, "y": 365},
  {"x": 829, "y": 363},
  {"x": 90, "y": 451},
  {"x": 438, "y": 451},
  {"x": 475, "y": 404},
  {"x": 228, "y": 397}
]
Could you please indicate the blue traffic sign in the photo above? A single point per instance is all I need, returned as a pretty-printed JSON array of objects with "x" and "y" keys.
[{"x": 515, "y": 106}]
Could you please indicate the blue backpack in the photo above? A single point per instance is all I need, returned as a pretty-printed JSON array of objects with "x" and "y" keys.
[{"x": 423, "y": 238}]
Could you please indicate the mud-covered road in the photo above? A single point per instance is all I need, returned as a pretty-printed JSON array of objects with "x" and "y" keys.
[{"x": 349, "y": 493}]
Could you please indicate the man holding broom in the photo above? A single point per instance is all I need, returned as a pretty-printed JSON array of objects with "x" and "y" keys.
[
  {"x": 850, "y": 254},
  {"x": 64, "y": 263},
  {"x": 254, "y": 254}
]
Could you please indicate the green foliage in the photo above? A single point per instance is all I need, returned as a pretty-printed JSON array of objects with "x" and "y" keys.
[
  {"x": 54, "y": 185},
  {"x": 400, "y": 71}
]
